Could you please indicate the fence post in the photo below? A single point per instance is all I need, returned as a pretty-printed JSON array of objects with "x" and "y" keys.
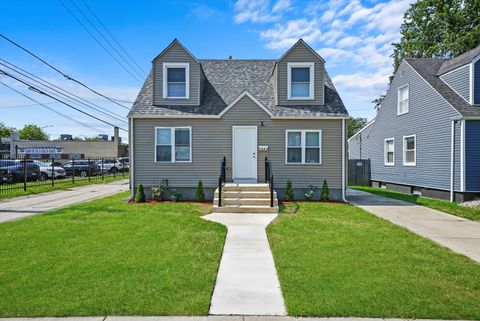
[
  {"x": 25, "y": 173},
  {"x": 89, "y": 169},
  {"x": 53, "y": 173},
  {"x": 102, "y": 169},
  {"x": 73, "y": 170}
]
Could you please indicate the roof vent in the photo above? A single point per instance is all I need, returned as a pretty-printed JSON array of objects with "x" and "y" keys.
[{"x": 229, "y": 58}]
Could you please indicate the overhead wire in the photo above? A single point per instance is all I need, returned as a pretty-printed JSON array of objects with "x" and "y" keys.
[
  {"x": 51, "y": 109},
  {"x": 113, "y": 100},
  {"x": 39, "y": 91}
]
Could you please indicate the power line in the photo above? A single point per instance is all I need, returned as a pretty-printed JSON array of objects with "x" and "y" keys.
[
  {"x": 35, "y": 89},
  {"x": 110, "y": 34},
  {"x": 96, "y": 40},
  {"x": 29, "y": 105},
  {"x": 107, "y": 41},
  {"x": 79, "y": 100},
  {"x": 51, "y": 109},
  {"x": 62, "y": 73}
]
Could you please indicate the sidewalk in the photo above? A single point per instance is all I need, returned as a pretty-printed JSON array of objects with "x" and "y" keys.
[
  {"x": 247, "y": 282},
  {"x": 23, "y": 206},
  {"x": 458, "y": 234}
]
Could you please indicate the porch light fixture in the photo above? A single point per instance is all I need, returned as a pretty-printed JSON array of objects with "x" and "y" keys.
[{"x": 261, "y": 123}]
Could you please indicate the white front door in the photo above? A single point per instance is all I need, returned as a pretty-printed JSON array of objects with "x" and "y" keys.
[{"x": 245, "y": 153}]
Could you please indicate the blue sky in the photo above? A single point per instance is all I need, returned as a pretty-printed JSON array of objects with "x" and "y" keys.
[{"x": 354, "y": 37}]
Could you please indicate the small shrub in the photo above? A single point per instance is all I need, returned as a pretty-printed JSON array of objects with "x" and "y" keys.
[
  {"x": 325, "y": 192},
  {"x": 289, "y": 191},
  {"x": 175, "y": 196},
  {"x": 199, "y": 194},
  {"x": 156, "y": 193},
  {"x": 140, "y": 195},
  {"x": 310, "y": 192}
]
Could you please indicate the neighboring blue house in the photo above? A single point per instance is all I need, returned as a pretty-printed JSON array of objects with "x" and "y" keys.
[{"x": 425, "y": 138}]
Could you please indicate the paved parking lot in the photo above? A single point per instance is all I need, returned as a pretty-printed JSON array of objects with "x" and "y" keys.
[{"x": 23, "y": 206}]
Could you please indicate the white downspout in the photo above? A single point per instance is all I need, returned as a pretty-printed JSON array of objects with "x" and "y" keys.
[
  {"x": 131, "y": 164},
  {"x": 452, "y": 163},
  {"x": 343, "y": 161},
  {"x": 462, "y": 156}
]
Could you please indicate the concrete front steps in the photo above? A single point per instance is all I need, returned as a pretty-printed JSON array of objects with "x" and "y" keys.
[{"x": 245, "y": 198}]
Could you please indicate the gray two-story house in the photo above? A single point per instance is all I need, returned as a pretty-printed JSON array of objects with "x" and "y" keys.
[
  {"x": 425, "y": 138},
  {"x": 230, "y": 122}
]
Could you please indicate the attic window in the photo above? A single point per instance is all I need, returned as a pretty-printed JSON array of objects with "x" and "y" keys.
[
  {"x": 176, "y": 78},
  {"x": 300, "y": 80}
]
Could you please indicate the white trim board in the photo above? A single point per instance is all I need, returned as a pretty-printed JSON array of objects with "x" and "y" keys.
[{"x": 236, "y": 100}]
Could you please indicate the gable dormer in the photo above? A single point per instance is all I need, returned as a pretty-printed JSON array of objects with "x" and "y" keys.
[
  {"x": 299, "y": 76},
  {"x": 462, "y": 74},
  {"x": 177, "y": 77}
]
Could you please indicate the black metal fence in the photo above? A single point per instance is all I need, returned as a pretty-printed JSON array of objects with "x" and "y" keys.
[
  {"x": 17, "y": 174},
  {"x": 359, "y": 173}
]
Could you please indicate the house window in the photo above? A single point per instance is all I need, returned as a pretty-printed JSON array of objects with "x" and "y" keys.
[
  {"x": 409, "y": 150},
  {"x": 300, "y": 80},
  {"x": 403, "y": 100},
  {"x": 173, "y": 144},
  {"x": 176, "y": 80},
  {"x": 389, "y": 152},
  {"x": 303, "y": 146}
]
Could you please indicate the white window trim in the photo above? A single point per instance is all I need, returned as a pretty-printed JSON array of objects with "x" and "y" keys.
[
  {"x": 172, "y": 144},
  {"x": 405, "y": 151},
  {"x": 310, "y": 65},
  {"x": 385, "y": 152},
  {"x": 398, "y": 100},
  {"x": 185, "y": 65},
  {"x": 303, "y": 145}
]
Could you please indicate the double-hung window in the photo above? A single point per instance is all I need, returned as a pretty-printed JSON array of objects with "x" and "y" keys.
[
  {"x": 409, "y": 150},
  {"x": 303, "y": 146},
  {"x": 403, "y": 100},
  {"x": 176, "y": 79},
  {"x": 389, "y": 152},
  {"x": 173, "y": 144},
  {"x": 300, "y": 80}
]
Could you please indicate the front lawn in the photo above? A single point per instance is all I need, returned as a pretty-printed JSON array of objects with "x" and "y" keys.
[
  {"x": 441, "y": 205},
  {"x": 107, "y": 257},
  {"x": 336, "y": 260}
]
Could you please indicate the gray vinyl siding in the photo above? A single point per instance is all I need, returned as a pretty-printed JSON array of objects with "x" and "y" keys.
[
  {"x": 429, "y": 118},
  {"x": 176, "y": 54},
  {"x": 355, "y": 145},
  {"x": 459, "y": 80},
  {"x": 212, "y": 139},
  {"x": 476, "y": 82},
  {"x": 300, "y": 53}
]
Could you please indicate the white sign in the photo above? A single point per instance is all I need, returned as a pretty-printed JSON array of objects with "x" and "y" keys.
[
  {"x": 40, "y": 149},
  {"x": 263, "y": 147}
]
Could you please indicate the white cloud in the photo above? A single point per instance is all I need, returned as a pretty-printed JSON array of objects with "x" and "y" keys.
[
  {"x": 281, "y": 5},
  {"x": 284, "y": 36},
  {"x": 349, "y": 41},
  {"x": 254, "y": 11}
]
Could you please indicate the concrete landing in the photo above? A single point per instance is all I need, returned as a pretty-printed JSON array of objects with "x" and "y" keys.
[{"x": 247, "y": 282}]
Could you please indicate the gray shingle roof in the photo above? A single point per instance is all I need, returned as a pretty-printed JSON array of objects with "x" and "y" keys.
[
  {"x": 225, "y": 80},
  {"x": 428, "y": 69},
  {"x": 461, "y": 60}
]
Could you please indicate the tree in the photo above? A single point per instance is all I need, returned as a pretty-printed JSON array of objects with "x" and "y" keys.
[
  {"x": 289, "y": 191},
  {"x": 438, "y": 29},
  {"x": 33, "y": 132},
  {"x": 199, "y": 193},
  {"x": 5, "y": 131},
  {"x": 355, "y": 124},
  {"x": 378, "y": 102},
  {"x": 140, "y": 194}
]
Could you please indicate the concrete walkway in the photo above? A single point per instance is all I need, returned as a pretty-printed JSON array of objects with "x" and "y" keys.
[
  {"x": 207, "y": 318},
  {"x": 23, "y": 206},
  {"x": 458, "y": 234},
  {"x": 247, "y": 282}
]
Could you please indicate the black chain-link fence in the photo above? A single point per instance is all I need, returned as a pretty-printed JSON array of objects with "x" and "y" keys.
[{"x": 24, "y": 173}]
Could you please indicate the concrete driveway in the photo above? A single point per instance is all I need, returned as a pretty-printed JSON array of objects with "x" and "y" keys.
[
  {"x": 458, "y": 234},
  {"x": 23, "y": 206}
]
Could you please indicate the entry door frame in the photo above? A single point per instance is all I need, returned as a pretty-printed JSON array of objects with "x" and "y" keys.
[{"x": 233, "y": 149}]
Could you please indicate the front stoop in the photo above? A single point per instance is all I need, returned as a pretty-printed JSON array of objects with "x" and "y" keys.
[{"x": 245, "y": 198}]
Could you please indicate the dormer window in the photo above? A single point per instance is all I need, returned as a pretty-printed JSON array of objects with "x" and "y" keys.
[
  {"x": 300, "y": 77},
  {"x": 176, "y": 80}
]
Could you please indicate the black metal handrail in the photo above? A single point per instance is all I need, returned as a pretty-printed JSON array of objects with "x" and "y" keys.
[
  {"x": 221, "y": 180},
  {"x": 269, "y": 178}
]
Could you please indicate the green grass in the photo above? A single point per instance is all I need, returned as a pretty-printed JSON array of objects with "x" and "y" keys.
[
  {"x": 470, "y": 213},
  {"x": 336, "y": 260},
  {"x": 107, "y": 257},
  {"x": 34, "y": 188}
]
